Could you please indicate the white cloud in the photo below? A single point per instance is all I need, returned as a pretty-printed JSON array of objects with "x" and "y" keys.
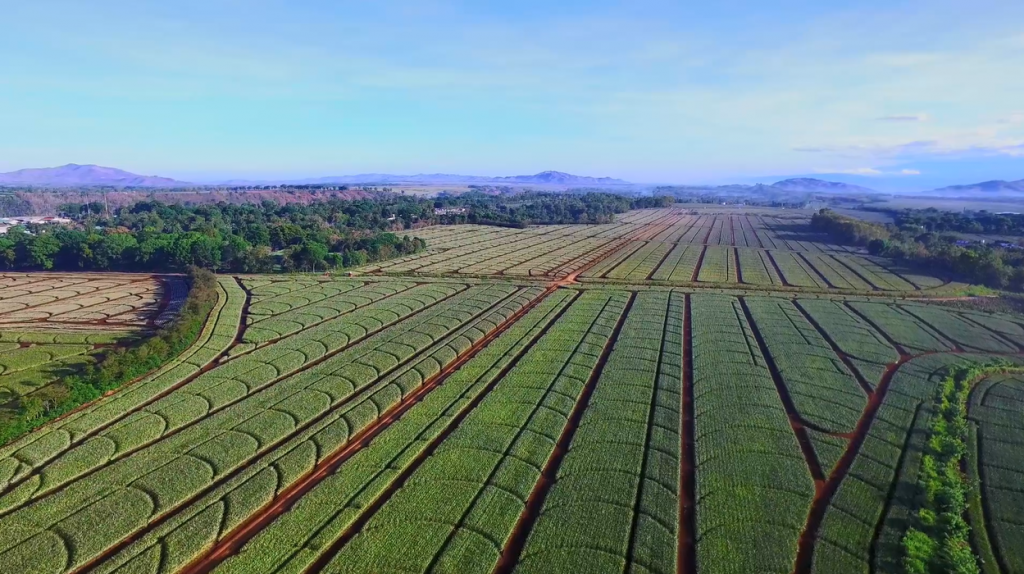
[
  {"x": 854, "y": 171},
  {"x": 904, "y": 118},
  {"x": 909, "y": 172}
]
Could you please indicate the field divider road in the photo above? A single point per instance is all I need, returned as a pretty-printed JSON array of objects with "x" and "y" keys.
[
  {"x": 249, "y": 529},
  {"x": 686, "y": 549},
  {"x": 796, "y": 422},
  {"x": 823, "y": 496},
  {"x": 40, "y": 495},
  {"x": 700, "y": 263},
  {"x": 517, "y": 539}
]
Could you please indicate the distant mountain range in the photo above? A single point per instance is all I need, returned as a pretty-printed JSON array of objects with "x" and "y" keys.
[
  {"x": 811, "y": 185},
  {"x": 993, "y": 187},
  {"x": 74, "y": 175},
  {"x": 556, "y": 178}
]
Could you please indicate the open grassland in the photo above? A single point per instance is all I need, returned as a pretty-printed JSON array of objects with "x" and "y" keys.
[{"x": 678, "y": 391}]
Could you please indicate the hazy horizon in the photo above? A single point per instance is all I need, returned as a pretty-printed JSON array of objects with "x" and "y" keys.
[{"x": 647, "y": 91}]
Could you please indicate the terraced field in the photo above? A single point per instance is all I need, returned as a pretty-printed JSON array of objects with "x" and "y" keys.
[{"x": 480, "y": 408}]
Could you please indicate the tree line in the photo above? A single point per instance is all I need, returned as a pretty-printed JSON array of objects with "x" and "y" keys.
[
  {"x": 988, "y": 265},
  {"x": 259, "y": 238}
]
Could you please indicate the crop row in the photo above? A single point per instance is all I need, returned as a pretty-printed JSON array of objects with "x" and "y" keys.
[
  {"x": 753, "y": 486},
  {"x": 233, "y": 500},
  {"x": 641, "y": 263},
  {"x": 461, "y": 504},
  {"x": 719, "y": 265},
  {"x": 24, "y": 456},
  {"x": 836, "y": 273},
  {"x": 623, "y": 462},
  {"x": 607, "y": 264},
  {"x": 864, "y": 346},
  {"x": 909, "y": 333},
  {"x": 222, "y": 391},
  {"x": 967, "y": 334},
  {"x": 997, "y": 454},
  {"x": 264, "y": 307},
  {"x": 680, "y": 264},
  {"x": 823, "y": 391},
  {"x": 875, "y": 274},
  {"x": 161, "y": 477},
  {"x": 303, "y": 317},
  {"x": 755, "y": 267},
  {"x": 879, "y": 492},
  {"x": 19, "y": 359},
  {"x": 294, "y": 540}
]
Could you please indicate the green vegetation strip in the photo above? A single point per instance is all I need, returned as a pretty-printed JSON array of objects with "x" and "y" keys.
[
  {"x": 118, "y": 366},
  {"x": 939, "y": 540},
  {"x": 24, "y": 456}
]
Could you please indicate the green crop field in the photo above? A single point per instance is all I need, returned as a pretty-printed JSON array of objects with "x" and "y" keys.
[{"x": 680, "y": 391}]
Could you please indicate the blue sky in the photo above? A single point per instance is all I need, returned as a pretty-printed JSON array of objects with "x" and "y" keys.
[{"x": 649, "y": 91}]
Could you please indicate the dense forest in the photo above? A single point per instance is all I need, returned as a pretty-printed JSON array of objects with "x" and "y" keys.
[
  {"x": 980, "y": 222},
  {"x": 996, "y": 267},
  {"x": 265, "y": 237}
]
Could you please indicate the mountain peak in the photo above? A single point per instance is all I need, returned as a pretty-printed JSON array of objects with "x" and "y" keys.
[
  {"x": 75, "y": 175},
  {"x": 813, "y": 185}
]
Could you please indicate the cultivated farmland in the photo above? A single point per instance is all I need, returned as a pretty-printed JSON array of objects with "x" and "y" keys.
[{"x": 673, "y": 392}]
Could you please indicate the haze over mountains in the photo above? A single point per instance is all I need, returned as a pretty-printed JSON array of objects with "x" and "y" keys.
[
  {"x": 71, "y": 175},
  {"x": 74, "y": 175}
]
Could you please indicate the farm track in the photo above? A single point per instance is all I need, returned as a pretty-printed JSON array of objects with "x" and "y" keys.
[
  {"x": 739, "y": 269},
  {"x": 823, "y": 496},
  {"x": 796, "y": 422},
  {"x": 248, "y": 529},
  {"x": 516, "y": 541},
  {"x": 700, "y": 263},
  {"x": 686, "y": 549},
  {"x": 178, "y": 430}
]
